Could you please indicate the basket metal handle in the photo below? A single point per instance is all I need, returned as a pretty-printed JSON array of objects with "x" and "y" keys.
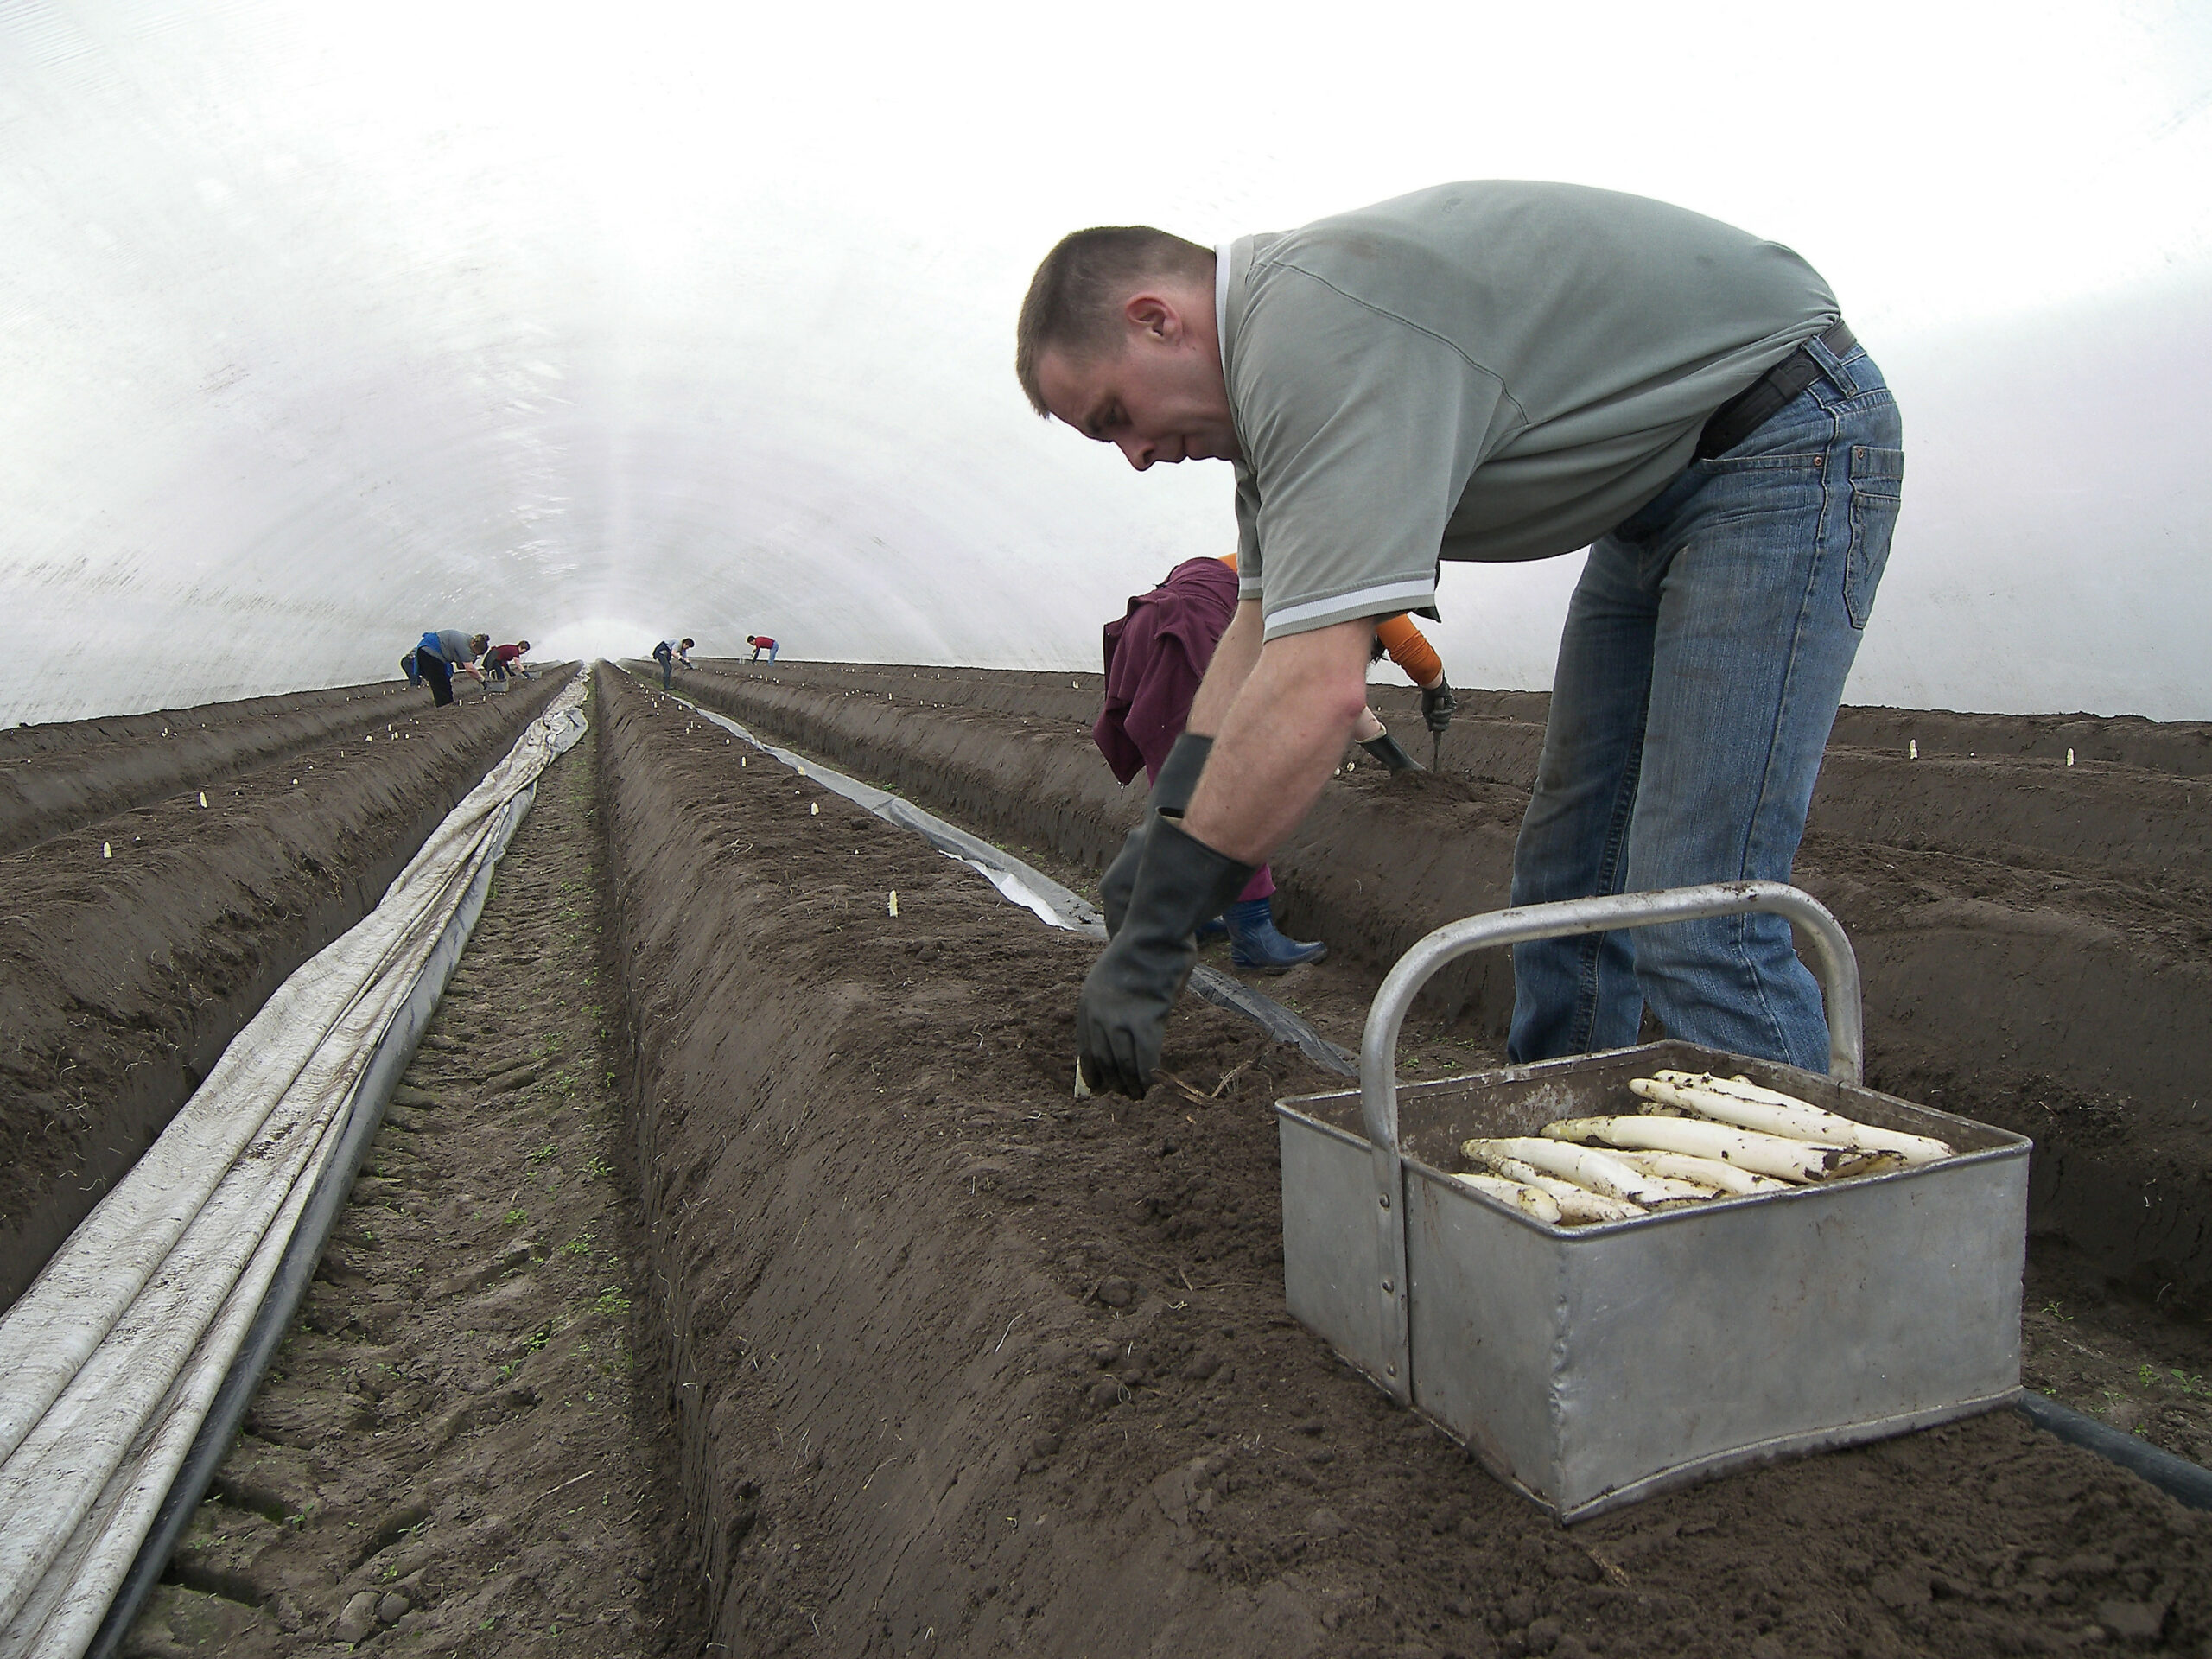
[{"x": 1834, "y": 963}]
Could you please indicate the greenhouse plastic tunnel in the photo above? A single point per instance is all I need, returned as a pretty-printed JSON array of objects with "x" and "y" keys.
[{"x": 603, "y": 1164}]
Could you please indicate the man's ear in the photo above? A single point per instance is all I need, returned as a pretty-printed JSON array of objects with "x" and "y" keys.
[{"x": 1150, "y": 312}]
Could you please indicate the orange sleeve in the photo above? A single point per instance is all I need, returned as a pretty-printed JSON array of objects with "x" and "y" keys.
[
  {"x": 1229, "y": 559},
  {"x": 1409, "y": 649}
]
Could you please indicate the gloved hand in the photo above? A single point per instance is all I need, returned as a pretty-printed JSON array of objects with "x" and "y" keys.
[
  {"x": 1437, "y": 705},
  {"x": 1120, "y": 1019},
  {"x": 1171, "y": 792}
]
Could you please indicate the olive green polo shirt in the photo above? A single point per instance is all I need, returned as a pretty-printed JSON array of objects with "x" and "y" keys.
[{"x": 1495, "y": 371}]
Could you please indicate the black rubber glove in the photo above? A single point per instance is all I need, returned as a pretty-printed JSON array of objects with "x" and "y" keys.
[
  {"x": 1171, "y": 792},
  {"x": 1437, "y": 705},
  {"x": 1120, "y": 1019}
]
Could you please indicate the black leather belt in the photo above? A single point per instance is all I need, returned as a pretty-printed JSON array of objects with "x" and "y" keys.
[{"x": 1749, "y": 409}]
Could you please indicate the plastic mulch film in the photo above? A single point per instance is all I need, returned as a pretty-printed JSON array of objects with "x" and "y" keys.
[{"x": 108, "y": 1362}]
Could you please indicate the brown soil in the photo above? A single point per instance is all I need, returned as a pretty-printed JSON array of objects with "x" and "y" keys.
[
  {"x": 457, "y": 1449},
  {"x": 961, "y": 1363},
  {"x": 924, "y": 1354},
  {"x": 2060, "y": 914},
  {"x": 2062, "y": 909},
  {"x": 58, "y": 777},
  {"x": 124, "y": 976}
]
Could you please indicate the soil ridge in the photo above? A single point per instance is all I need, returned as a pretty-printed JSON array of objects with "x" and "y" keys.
[
  {"x": 73, "y": 784},
  {"x": 2047, "y": 989},
  {"x": 965, "y": 1364}
]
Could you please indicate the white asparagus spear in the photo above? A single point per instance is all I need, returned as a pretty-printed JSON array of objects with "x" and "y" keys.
[
  {"x": 1762, "y": 1154},
  {"x": 1812, "y": 1122},
  {"x": 1741, "y": 1100},
  {"x": 1706, "y": 1171},
  {"x": 1730, "y": 1100},
  {"x": 1532, "y": 1201},
  {"x": 1580, "y": 1165},
  {"x": 1576, "y": 1204}
]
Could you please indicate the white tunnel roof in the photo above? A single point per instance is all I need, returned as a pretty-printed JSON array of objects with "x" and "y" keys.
[{"x": 320, "y": 326}]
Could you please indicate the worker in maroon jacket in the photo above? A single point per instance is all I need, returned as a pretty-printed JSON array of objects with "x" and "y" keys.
[{"x": 1155, "y": 656}]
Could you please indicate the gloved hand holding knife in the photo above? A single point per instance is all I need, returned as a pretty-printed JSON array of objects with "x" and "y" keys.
[{"x": 1437, "y": 705}]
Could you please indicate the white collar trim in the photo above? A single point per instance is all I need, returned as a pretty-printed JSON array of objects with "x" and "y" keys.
[{"x": 1221, "y": 304}]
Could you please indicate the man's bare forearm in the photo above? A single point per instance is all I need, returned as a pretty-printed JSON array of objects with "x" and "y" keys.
[
  {"x": 1234, "y": 655},
  {"x": 1284, "y": 728}
]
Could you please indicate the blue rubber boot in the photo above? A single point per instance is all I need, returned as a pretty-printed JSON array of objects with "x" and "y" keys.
[
  {"x": 1209, "y": 931},
  {"x": 1255, "y": 941}
]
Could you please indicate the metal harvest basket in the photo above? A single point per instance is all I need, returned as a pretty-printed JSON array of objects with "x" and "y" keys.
[{"x": 1591, "y": 1366}]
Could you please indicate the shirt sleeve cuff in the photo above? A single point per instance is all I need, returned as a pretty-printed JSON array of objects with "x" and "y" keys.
[{"x": 1383, "y": 598}]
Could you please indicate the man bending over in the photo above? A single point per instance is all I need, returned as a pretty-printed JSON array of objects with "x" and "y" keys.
[{"x": 1496, "y": 371}]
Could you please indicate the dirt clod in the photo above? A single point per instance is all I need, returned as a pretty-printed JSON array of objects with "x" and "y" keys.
[
  {"x": 1901, "y": 1587},
  {"x": 359, "y": 1618}
]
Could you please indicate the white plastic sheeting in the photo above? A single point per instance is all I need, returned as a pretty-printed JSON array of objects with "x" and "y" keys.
[{"x": 109, "y": 1360}]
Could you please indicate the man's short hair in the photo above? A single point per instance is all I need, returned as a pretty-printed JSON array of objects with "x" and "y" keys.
[{"x": 1075, "y": 297}]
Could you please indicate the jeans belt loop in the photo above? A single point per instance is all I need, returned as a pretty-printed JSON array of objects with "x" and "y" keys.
[{"x": 1751, "y": 407}]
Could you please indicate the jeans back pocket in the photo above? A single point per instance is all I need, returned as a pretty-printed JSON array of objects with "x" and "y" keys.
[{"x": 1876, "y": 486}]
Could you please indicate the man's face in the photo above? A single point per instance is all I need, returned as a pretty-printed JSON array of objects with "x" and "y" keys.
[{"x": 1159, "y": 398}]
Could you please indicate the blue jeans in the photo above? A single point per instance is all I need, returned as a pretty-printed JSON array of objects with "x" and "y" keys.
[{"x": 1703, "y": 660}]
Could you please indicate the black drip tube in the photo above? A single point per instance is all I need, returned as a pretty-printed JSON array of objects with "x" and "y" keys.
[{"x": 2177, "y": 1478}]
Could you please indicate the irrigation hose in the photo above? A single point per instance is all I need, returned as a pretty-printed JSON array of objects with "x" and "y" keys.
[{"x": 2186, "y": 1483}]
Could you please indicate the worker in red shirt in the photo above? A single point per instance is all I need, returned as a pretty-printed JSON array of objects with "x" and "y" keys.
[
  {"x": 504, "y": 662},
  {"x": 760, "y": 642}
]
